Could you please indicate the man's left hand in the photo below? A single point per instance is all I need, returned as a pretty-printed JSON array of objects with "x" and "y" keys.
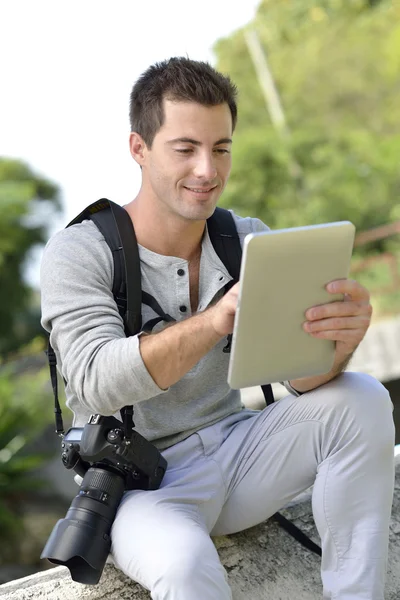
[{"x": 344, "y": 322}]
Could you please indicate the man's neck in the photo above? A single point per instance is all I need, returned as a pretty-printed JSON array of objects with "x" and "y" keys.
[{"x": 165, "y": 234}]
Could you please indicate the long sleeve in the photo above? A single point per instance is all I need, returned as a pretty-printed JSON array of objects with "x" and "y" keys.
[{"x": 102, "y": 367}]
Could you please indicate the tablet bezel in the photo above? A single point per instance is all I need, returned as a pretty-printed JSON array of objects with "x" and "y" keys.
[{"x": 311, "y": 256}]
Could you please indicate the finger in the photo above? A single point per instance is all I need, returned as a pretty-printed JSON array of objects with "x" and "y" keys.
[
  {"x": 339, "y": 309},
  {"x": 351, "y": 337},
  {"x": 348, "y": 286},
  {"x": 337, "y": 323},
  {"x": 230, "y": 303},
  {"x": 234, "y": 291}
]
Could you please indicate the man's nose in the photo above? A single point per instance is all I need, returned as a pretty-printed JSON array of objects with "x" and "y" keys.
[{"x": 205, "y": 167}]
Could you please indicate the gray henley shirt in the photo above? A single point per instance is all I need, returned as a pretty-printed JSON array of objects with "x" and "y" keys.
[{"x": 104, "y": 369}]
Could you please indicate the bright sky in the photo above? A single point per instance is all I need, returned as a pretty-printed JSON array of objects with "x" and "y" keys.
[{"x": 67, "y": 69}]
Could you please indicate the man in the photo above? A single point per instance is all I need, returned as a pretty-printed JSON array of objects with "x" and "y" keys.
[{"x": 229, "y": 468}]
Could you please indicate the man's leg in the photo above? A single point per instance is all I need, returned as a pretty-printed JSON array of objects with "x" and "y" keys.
[
  {"x": 342, "y": 436},
  {"x": 161, "y": 538}
]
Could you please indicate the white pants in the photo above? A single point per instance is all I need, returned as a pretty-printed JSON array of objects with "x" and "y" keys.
[{"x": 240, "y": 471}]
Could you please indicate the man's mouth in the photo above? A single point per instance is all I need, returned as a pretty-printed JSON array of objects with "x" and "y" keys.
[{"x": 200, "y": 190}]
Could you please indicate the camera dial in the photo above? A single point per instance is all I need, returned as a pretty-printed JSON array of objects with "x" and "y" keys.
[{"x": 115, "y": 436}]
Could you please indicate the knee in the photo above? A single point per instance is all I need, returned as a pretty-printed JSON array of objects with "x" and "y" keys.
[
  {"x": 167, "y": 551},
  {"x": 363, "y": 400},
  {"x": 362, "y": 393}
]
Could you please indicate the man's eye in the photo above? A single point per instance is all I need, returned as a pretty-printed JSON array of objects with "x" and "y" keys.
[
  {"x": 183, "y": 150},
  {"x": 222, "y": 151}
]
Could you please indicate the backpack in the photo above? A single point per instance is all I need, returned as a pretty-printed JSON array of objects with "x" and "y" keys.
[{"x": 116, "y": 226}]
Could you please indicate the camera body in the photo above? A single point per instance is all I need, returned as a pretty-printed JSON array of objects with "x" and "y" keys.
[
  {"x": 102, "y": 441},
  {"x": 110, "y": 462}
]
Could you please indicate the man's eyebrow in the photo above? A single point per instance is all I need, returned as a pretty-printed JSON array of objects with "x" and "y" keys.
[
  {"x": 186, "y": 140},
  {"x": 223, "y": 141}
]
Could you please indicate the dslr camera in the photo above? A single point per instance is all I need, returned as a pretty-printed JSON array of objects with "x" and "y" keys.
[{"x": 112, "y": 458}]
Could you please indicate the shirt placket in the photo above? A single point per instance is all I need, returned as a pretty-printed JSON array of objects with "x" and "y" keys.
[{"x": 182, "y": 286}]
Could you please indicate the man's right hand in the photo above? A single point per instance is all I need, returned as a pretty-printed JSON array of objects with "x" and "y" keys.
[
  {"x": 172, "y": 352},
  {"x": 223, "y": 313}
]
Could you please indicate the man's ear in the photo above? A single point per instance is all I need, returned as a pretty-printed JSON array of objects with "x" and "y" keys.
[{"x": 137, "y": 147}]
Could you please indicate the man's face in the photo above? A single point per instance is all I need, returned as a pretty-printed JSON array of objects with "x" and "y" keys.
[{"x": 189, "y": 162}]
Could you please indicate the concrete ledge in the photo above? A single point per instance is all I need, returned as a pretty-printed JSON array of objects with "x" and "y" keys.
[{"x": 262, "y": 562}]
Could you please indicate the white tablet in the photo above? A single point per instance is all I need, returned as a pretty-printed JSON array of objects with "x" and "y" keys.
[{"x": 283, "y": 273}]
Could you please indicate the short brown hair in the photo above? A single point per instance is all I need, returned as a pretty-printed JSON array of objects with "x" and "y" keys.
[{"x": 179, "y": 79}]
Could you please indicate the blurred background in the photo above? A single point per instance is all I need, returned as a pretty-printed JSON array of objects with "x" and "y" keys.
[{"x": 318, "y": 140}]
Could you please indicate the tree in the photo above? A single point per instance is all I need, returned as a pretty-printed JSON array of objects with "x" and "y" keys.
[
  {"x": 24, "y": 198},
  {"x": 25, "y": 411},
  {"x": 336, "y": 64}
]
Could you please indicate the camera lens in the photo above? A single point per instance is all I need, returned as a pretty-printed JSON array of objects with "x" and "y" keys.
[{"x": 81, "y": 541}]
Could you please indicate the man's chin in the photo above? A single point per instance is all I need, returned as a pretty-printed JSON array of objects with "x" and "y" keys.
[
  {"x": 199, "y": 213},
  {"x": 200, "y": 209}
]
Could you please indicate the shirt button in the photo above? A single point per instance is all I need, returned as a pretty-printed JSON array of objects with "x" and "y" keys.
[
  {"x": 183, "y": 308},
  {"x": 181, "y": 272}
]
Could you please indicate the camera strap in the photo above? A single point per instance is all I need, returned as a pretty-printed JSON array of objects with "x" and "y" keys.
[{"x": 52, "y": 359}]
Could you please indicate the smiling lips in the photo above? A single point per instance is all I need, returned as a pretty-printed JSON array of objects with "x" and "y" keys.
[{"x": 200, "y": 190}]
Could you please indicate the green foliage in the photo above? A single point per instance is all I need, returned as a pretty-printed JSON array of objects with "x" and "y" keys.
[
  {"x": 24, "y": 413},
  {"x": 24, "y": 198},
  {"x": 349, "y": 176},
  {"x": 336, "y": 65}
]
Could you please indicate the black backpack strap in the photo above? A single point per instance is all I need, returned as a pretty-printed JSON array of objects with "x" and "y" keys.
[
  {"x": 106, "y": 225},
  {"x": 117, "y": 228},
  {"x": 130, "y": 253},
  {"x": 152, "y": 302},
  {"x": 224, "y": 237},
  {"x": 225, "y": 240},
  {"x": 268, "y": 394},
  {"x": 298, "y": 535}
]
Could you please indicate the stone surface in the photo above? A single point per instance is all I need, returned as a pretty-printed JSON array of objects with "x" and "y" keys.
[{"x": 262, "y": 562}]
